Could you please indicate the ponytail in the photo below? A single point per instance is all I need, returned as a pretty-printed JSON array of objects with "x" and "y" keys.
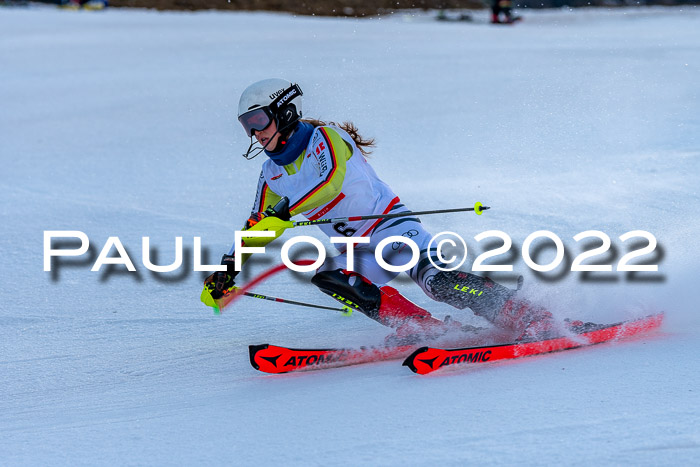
[{"x": 362, "y": 144}]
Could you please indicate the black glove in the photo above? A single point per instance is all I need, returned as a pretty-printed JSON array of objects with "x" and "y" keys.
[
  {"x": 221, "y": 282},
  {"x": 280, "y": 210}
]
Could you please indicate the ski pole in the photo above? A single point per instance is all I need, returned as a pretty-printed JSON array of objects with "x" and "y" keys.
[
  {"x": 245, "y": 291},
  {"x": 346, "y": 310},
  {"x": 478, "y": 209}
]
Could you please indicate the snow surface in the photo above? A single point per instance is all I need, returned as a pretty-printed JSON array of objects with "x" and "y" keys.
[{"x": 123, "y": 123}]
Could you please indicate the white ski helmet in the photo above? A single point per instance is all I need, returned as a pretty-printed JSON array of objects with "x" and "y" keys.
[{"x": 267, "y": 100}]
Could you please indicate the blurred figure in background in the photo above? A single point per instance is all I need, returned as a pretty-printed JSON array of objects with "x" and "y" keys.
[
  {"x": 504, "y": 7},
  {"x": 84, "y": 4}
]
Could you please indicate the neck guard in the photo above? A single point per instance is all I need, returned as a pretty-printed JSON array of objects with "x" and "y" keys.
[{"x": 295, "y": 144}]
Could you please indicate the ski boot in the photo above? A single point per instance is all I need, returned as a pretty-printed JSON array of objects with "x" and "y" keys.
[
  {"x": 578, "y": 327},
  {"x": 529, "y": 321},
  {"x": 492, "y": 301}
]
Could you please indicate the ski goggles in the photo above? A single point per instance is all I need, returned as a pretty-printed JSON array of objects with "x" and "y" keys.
[{"x": 256, "y": 120}]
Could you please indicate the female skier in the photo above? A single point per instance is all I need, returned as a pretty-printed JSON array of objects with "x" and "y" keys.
[{"x": 320, "y": 170}]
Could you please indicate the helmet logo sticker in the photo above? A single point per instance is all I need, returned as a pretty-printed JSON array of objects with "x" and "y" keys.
[
  {"x": 276, "y": 93},
  {"x": 293, "y": 92}
]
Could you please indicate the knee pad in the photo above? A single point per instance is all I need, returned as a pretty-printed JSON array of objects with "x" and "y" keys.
[{"x": 351, "y": 289}]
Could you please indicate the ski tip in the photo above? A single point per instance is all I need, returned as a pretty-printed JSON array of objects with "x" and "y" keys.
[
  {"x": 647, "y": 322},
  {"x": 657, "y": 316},
  {"x": 655, "y": 320},
  {"x": 410, "y": 360},
  {"x": 253, "y": 350}
]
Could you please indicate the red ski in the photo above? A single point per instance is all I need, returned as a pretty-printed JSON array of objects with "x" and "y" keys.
[
  {"x": 426, "y": 359},
  {"x": 273, "y": 359}
]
